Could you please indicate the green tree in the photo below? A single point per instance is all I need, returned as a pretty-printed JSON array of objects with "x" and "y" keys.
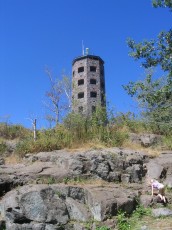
[{"x": 153, "y": 94}]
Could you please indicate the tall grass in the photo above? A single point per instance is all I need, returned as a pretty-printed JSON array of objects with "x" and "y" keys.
[
  {"x": 10, "y": 132},
  {"x": 76, "y": 130}
]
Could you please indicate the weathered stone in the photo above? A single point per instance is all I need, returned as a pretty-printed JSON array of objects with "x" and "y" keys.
[
  {"x": 114, "y": 177},
  {"x": 148, "y": 140},
  {"x": 125, "y": 178},
  {"x": 145, "y": 200},
  {"x": 77, "y": 211},
  {"x": 154, "y": 170},
  {"x": 2, "y": 161},
  {"x": 168, "y": 181},
  {"x": 145, "y": 139},
  {"x": 126, "y": 204},
  {"x": 25, "y": 226},
  {"x": 159, "y": 212},
  {"x": 34, "y": 203}
]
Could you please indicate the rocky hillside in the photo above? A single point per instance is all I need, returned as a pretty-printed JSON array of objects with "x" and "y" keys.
[{"x": 80, "y": 190}]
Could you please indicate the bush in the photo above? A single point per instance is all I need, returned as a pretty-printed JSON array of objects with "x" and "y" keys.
[
  {"x": 122, "y": 221},
  {"x": 76, "y": 131},
  {"x": 3, "y": 147},
  {"x": 167, "y": 141},
  {"x": 11, "y": 132}
]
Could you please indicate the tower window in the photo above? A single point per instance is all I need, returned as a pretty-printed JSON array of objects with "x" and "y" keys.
[
  {"x": 80, "y": 69},
  {"x": 93, "y": 109},
  {"x": 81, "y": 82},
  {"x": 73, "y": 73},
  {"x": 93, "y": 81},
  {"x": 93, "y": 94},
  {"x": 80, "y": 109},
  {"x": 93, "y": 68},
  {"x": 80, "y": 95}
]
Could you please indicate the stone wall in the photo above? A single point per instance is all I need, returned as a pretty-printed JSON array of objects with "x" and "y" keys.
[{"x": 88, "y": 103}]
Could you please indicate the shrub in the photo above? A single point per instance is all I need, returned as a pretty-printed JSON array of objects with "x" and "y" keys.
[
  {"x": 122, "y": 221},
  {"x": 102, "y": 228},
  {"x": 3, "y": 147},
  {"x": 8, "y": 131}
]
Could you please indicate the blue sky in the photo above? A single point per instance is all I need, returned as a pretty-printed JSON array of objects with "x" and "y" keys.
[{"x": 39, "y": 33}]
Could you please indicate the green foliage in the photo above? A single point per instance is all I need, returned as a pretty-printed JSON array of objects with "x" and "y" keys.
[
  {"x": 154, "y": 95},
  {"x": 155, "y": 101},
  {"x": 141, "y": 211},
  {"x": 167, "y": 141},
  {"x": 66, "y": 180},
  {"x": 94, "y": 129},
  {"x": 3, "y": 147},
  {"x": 103, "y": 228},
  {"x": 130, "y": 222},
  {"x": 162, "y": 3},
  {"x": 122, "y": 221},
  {"x": 75, "y": 131},
  {"x": 8, "y": 131}
]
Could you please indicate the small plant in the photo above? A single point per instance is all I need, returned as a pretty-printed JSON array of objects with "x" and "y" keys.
[
  {"x": 122, "y": 221},
  {"x": 141, "y": 211},
  {"x": 51, "y": 180},
  {"x": 3, "y": 147},
  {"x": 167, "y": 141},
  {"x": 168, "y": 189},
  {"x": 103, "y": 228},
  {"x": 66, "y": 180}
]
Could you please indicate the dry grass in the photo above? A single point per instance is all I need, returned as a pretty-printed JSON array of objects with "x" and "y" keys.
[
  {"x": 150, "y": 151},
  {"x": 95, "y": 182},
  {"x": 157, "y": 223},
  {"x": 81, "y": 147},
  {"x": 13, "y": 159}
]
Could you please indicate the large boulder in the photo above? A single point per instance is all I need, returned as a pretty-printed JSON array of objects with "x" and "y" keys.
[
  {"x": 145, "y": 139},
  {"x": 161, "y": 212},
  {"x": 48, "y": 207}
]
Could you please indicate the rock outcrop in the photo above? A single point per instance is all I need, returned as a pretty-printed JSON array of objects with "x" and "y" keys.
[
  {"x": 58, "y": 205},
  {"x": 35, "y": 194}
]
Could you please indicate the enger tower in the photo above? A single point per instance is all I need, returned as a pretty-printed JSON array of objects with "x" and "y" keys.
[{"x": 88, "y": 84}]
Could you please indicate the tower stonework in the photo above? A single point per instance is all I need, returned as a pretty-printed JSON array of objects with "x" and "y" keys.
[{"x": 88, "y": 84}]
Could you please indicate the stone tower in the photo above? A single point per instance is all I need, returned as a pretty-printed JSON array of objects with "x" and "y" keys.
[{"x": 88, "y": 84}]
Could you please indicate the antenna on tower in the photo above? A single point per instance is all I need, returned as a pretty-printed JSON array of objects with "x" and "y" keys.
[{"x": 82, "y": 48}]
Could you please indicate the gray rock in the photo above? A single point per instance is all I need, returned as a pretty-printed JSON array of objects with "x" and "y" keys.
[
  {"x": 2, "y": 161},
  {"x": 106, "y": 164},
  {"x": 154, "y": 170},
  {"x": 29, "y": 226},
  {"x": 145, "y": 139},
  {"x": 77, "y": 211},
  {"x": 34, "y": 203},
  {"x": 136, "y": 173},
  {"x": 145, "y": 200},
  {"x": 114, "y": 177},
  {"x": 148, "y": 140},
  {"x": 168, "y": 181},
  {"x": 144, "y": 227},
  {"x": 159, "y": 212},
  {"x": 125, "y": 178}
]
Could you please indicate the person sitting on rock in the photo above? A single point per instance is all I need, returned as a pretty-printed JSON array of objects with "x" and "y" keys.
[{"x": 161, "y": 189}]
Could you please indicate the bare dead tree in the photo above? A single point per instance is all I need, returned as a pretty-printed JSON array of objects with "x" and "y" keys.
[
  {"x": 33, "y": 121},
  {"x": 59, "y": 96}
]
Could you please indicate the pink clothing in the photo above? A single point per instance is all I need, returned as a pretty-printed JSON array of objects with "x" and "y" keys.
[{"x": 157, "y": 185}]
